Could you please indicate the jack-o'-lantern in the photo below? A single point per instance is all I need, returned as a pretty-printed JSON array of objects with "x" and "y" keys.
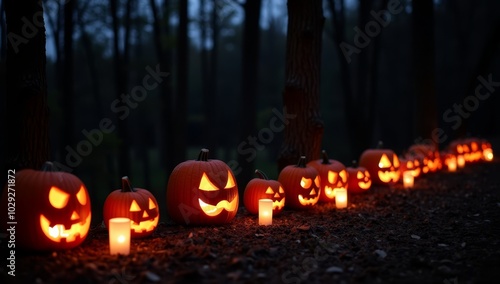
[
  {"x": 301, "y": 184},
  {"x": 383, "y": 165},
  {"x": 263, "y": 188},
  {"x": 333, "y": 175},
  {"x": 52, "y": 209},
  {"x": 410, "y": 164},
  {"x": 487, "y": 151},
  {"x": 202, "y": 192},
  {"x": 431, "y": 161},
  {"x": 359, "y": 179},
  {"x": 450, "y": 161},
  {"x": 137, "y": 204}
]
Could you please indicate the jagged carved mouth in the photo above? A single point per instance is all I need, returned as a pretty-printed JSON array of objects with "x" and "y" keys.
[
  {"x": 214, "y": 210},
  {"x": 59, "y": 232}
]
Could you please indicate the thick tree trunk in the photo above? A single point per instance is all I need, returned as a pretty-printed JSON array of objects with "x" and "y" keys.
[
  {"x": 27, "y": 135},
  {"x": 423, "y": 55},
  {"x": 67, "y": 77},
  {"x": 182, "y": 84},
  {"x": 303, "y": 133},
  {"x": 249, "y": 84}
]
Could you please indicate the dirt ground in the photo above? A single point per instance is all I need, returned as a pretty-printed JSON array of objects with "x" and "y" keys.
[{"x": 444, "y": 230}]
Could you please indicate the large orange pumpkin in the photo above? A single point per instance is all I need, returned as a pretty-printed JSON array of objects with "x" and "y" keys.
[
  {"x": 52, "y": 209},
  {"x": 301, "y": 184},
  {"x": 383, "y": 165},
  {"x": 137, "y": 204},
  {"x": 263, "y": 188},
  {"x": 333, "y": 176},
  {"x": 202, "y": 192}
]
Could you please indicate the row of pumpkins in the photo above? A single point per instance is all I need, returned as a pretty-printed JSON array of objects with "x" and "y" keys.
[{"x": 52, "y": 209}]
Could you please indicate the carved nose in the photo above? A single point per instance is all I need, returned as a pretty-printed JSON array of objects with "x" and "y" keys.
[
  {"x": 276, "y": 195},
  {"x": 313, "y": 192},
  {"x": 75, "y": 216},
  {"x": 145, "y": 214}
]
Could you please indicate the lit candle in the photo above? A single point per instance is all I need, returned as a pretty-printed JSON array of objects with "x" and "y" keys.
[
  {"x": 452, "y": 165},
  {"x": 488, "y": 154},
  {"x": 408, "y": 179},
  {"x": 265, "y": 212},
  {"x": 119, "y": 236},
  {"x": 341, "y": 198},
  {"x": 460, "y": 161}
]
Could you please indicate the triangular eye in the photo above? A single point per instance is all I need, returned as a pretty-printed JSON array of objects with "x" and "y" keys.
[
  {"x": 343, "y": 175},
  {"x": 82, "y": 196},
  {"x": 230, "y": 180},
  {"x": 332, "y": 177},
  {"x": 305, "y": 182},
  {"x": 409, "y": 164},
  {"x": 134, "y": 207},
  {"x": 316, "y": 181},
  {"x": 269, "y": 190},
  {"x": 58, "y": 198},
  {"x": 396, "y": 161},
  {"x": 359, "y": 175},
  {"x": 384, "y": 162},
  {"x": 206, "y": 184},
  {"x": 152, "y": 205},
  {"x": 281, "y": 190}
]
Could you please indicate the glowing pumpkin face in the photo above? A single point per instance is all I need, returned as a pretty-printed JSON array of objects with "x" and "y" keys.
[
  {"x": 55, "y": 209},
  {"x": 137, "y": 204},
  {"x": 410, "y": 164},
  {"x": 263, "y": 188},
  {"x": 359, "y": 180},
  {"x": 301, "y": 184},
  {"x": 487, "y": 151},
  {"x": 383, "y": 165},
  {"x": 202, "y": 192},
  {"x": 333, "y": 176},
  {"x": 450, "y": 161},
  {"x": 431, "y": 160}
]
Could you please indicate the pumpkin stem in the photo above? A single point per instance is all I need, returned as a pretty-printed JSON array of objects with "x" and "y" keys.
[
  {"x": 261, "y": 174},
  {"x": 48, "y": 167},
  {"x": 302, "y": 162},
  {"x": 203, "y": 156},
  {"x": 380, "y": 145},
  {"x": 325, "y": 158},
  {"x": 126, "y": 186}
]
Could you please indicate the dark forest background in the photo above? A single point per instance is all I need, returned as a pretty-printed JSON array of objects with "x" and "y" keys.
[{"x": 226, "y": 65}]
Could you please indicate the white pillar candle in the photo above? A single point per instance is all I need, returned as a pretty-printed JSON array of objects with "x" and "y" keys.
[
  {"x": 119, "y": 236},
  {"x": 341, "y": 198},
  {"x": 452, "y": 165},
  {"x": 265, "y": 212},
  {"x": 460, "y": 161},
  {"x": 488, "y": 154},
  {"x": 408, "y": 179}
]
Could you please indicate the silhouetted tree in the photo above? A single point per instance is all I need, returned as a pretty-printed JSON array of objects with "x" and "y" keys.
[
  {"x": 303, "y": 133},
  {"x": 26, "y": 115}
]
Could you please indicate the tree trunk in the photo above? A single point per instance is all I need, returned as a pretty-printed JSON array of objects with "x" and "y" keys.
[
  {"x": 249, "y": 84},
  {"x": 67, "y": 77},
  {"x": 181, "y": 110},
  {"x": 423, "y": 55},
  {"x": 303, "y": 133},
  {"x": 27, "y": 114}
]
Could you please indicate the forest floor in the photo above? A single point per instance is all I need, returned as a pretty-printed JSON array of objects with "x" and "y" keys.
[{"x": 444, "y": 230}]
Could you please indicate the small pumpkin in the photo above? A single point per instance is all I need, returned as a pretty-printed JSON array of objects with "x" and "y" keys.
[
  {"x": 431, "y": 157},
  {"x": 53, "y": 209},
  {"x": 263, "y": 188},
  {"x": 301, "y": 184},
  {"x": 383, "y": 165},
  {"x": 359, "y": 179},
  {"x": 410, "y": 164},
  {"x": 333, "y": 176},
  {"x": 202, "y": 192},
  {"x": 137, "y": 204}
]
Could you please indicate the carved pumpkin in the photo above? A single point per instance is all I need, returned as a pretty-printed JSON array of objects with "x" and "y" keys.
[
  {"x": 383, "y": 165},
  {"x": 301, "y": 184},
  {"x": 137, "y": 204},
  {"x": 359, "y": 179},
  {"x": 52, "y": 209},
  {"x": 202, "y": 192},
  {"x": 333, "y": 175},
  {"x": 450, "y": 161},
  {"x": 431, "y": 161},
  {"x": 263, "y": 188},
  {"x": 409, "y": 164},
  {"x": 487, "y": 151}
]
